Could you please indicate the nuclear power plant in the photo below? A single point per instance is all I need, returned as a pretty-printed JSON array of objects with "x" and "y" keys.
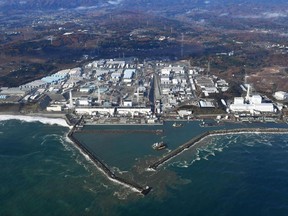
[{"x": 251, "y": 103}]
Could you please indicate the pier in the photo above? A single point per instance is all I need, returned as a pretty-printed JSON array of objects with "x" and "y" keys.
[
  {"x": 104, "y": 168},
  {"x": 198, "y": 138}
]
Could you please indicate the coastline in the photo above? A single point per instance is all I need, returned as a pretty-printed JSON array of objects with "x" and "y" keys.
[
  {"x": 62, "y": 119},
  {"x": 190, "y": 180},
  {"x": 51, "y": 119}
]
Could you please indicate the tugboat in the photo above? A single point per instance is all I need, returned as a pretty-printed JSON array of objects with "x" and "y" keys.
[
  {"x": 159, "y": 145},
  {"x": 177, "y": 125}
]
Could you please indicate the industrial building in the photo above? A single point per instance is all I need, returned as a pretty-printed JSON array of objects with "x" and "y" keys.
[
  {"x": 206, "y": 104},
  {"x": 165, "y": 80},
  {"x": 281, "y": 95},
  {"x": 75, "y": 72},
  {"x": 172, "y": 69},
  {"x": 252, "y": 108},
  {"x": 33, "y": 85},
  {"x": 128, "y": 75},
  {"x": 115, "y": 76},
  {"x": 127, "y": 103},
  {"x": 54, "y": 108},
  {"x": 87, "y": 88},
  {"x": 13, "y": 91},
  {"x": 252, "y": 104},
  {"x": 83, "y": 102},
  {"x": 206, "y": 84}
]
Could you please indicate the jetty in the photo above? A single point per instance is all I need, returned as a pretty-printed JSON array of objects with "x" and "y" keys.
[
  {"x": 103, "y": 167},
  {"x": 200, "y": 137}
]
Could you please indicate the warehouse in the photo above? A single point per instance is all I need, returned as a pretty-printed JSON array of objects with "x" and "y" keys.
[
  {"x": 34, "y": 84},
  {"x": 13, "y": 91},
  {"x": 128, "y": 75}
]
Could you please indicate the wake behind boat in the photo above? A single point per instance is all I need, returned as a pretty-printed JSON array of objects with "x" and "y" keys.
[{"x": 159, "y": 145}]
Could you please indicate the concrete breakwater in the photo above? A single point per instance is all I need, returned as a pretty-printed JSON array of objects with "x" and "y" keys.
[
  {"x": 121, "y": 131},
  {"x": 102, "y": 167},
  {"x": 198, "y": 138}
]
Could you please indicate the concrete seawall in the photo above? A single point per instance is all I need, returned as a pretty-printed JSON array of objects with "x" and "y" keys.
[
  {"x": 102, "y": 167},
  {"x": 198, "y": 138},
  {"x": 121, "y": 131}
]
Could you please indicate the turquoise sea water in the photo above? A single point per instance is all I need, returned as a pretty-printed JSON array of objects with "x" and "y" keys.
[{"x": 42, "y": 173}]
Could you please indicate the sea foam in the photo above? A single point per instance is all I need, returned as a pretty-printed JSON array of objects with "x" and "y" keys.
[{"x": 43, "y": 120}]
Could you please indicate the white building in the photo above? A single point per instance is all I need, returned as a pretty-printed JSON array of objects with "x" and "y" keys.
[
  {"x": 133, "y": 110},
  {"x": 61, "y": 74},
  {"x": 174, "y": 81},
  {"x": 255, "y": 99},
  {"x": 54, "y": 108},
  {"x": 263, "y": 107},
  {"x": 33, "y": 85},
  {"x": 83, "y": 102},
  {"x": 165, "y": 71},
  {"x": 75, "y": 72},
  {"x": 238, "y": 100},
  {"x": 115, "y": 64},
  {"x": 128, "y": 75},
  {"x": 222, "y": 85},
  {"x": 127, "y": 103},
  {"x": 206, "y": 104},
  {"x": 165, "y": 80},
  {"x": 13, "y": 91},
  {"x": 196, "y": 70},
  {"x": 253, "y": 104},
  {"x": 176, "y": 70},
  {"x": 85, "y": 89},
  {"x": 183, "y": 113},
  {"x": 165, "y": 91},
  {"x": 210, "y": 90},
  {"x": 93, "y": 111},
  {"x": 281, "y": 95}
]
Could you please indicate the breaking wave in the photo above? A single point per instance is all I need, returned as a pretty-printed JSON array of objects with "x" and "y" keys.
[
  {"x": 116, "y": 169},
  {"x": 43, "y": 120},
  {"x": 220, "y": 142}
]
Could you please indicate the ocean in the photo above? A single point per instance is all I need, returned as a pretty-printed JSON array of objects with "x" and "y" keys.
[{"x": 42, "y": 173}]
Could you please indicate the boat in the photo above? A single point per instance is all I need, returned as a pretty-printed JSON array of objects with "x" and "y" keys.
[
  {"x": 210, "y": 124},
  {"x": 159, "y": 145},
  {"x": 177, "y": 125},
  {"x": 159, "y": 131}
]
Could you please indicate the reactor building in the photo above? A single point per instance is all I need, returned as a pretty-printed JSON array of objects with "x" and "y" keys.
[{"x": 251, "y": 103}]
